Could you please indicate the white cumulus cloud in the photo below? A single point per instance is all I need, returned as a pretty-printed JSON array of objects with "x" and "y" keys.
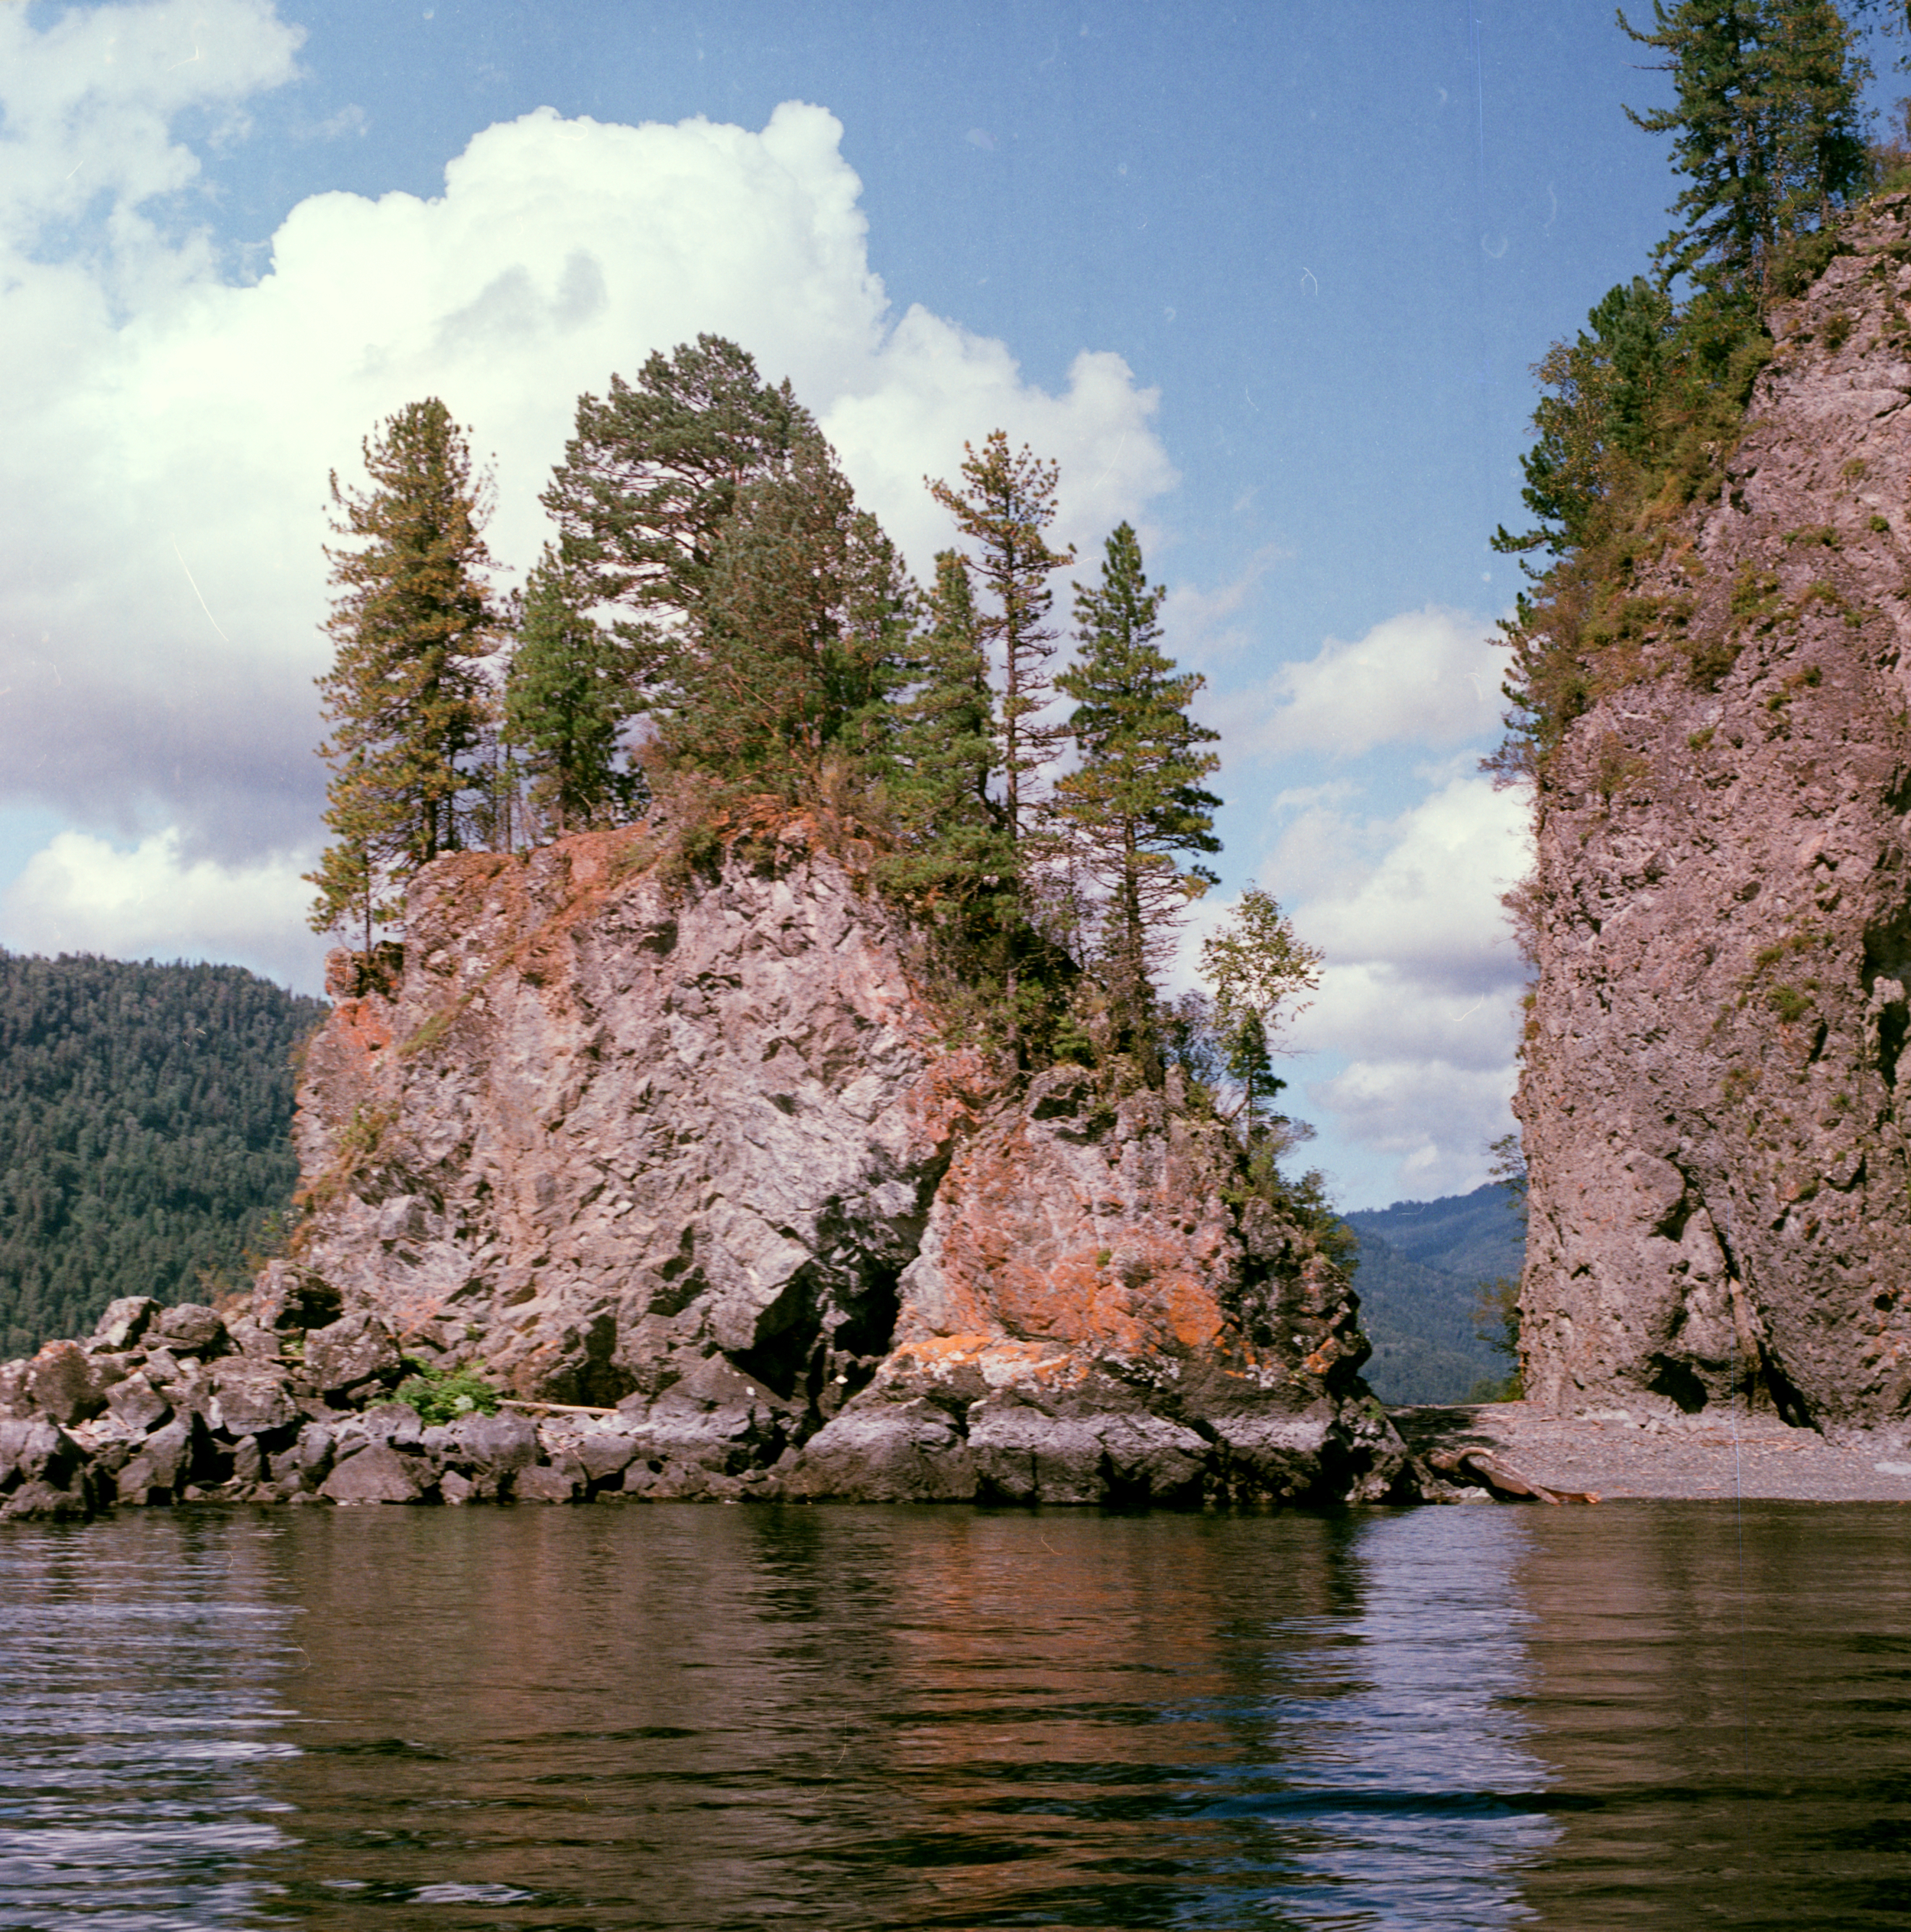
[
  {"x": 81, "y": 895},
  {"x": 166, "y": 437},
  {"x": 1428, "y": 677}
]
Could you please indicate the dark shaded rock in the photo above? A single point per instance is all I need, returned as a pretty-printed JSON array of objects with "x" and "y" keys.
[
  {"x": 248, "y": 1461},
  {"x": 249, "y": 1398},
  {"x": 541, "y": 1483},
  {"x": 157, "y": 1470},
  {"x": 351, "y": 1354},
  {"x": 377, "y": 1473},
  {"x": 288, "y": 1300},
  {"x": 721, "y": 1418},
  {"x": 125, "y": 1321},
  {"x": 603, "y": 1453},
  {"x": 33, "y": 1450},
  {"x": 41, "y": 1501},
  {"x": 192, "y": 1328},
  {"x": 494, "y": 1443}
]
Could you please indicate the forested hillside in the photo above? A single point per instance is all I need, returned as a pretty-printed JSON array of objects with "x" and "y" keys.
[
  {"x": 1421, "y": 1266},
  {"x": 144, "y": 1120}
]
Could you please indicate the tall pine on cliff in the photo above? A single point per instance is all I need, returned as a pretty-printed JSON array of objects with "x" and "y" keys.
[
  {"x": 652, "y": 475},
  {"x": 1134, "y": 804},
  {"x": 1003, "y": 512},
  {"x": 568, "y": 697},
  {"x": 405, "y": 698},
  {"x": 1642, "y": 408},
  {"x": 799, "y": 637},
  {"x": 145, "y": 1118}
]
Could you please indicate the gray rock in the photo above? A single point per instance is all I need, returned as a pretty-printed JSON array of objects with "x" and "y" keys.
[
  {"x": 351, "y": 1354},
  {"x": 159, "y": 1469},
  {"x": 495, "y": 1444},
  {"x": 249, "y": 1398},
  {"x": 33, "y": 1450},
  {"x": 377, "y": 1473},
  {"x": 455, "y": 1488},
  {"x": 192, "y": 1328},
  {"x": 125, "y": 1321},
  {"x": 887, "y": 1452},
  {"x": 41, "y": 1501},
  {"x": 248, "y": 1461},
  {"x": 288, "y": 1300},
  {"x": 61, "y": 1382},
  {"x": 1713, "y": 1091},
  {"x": 136, "y": 1405},
  {"x": 603, "y": 1453}
]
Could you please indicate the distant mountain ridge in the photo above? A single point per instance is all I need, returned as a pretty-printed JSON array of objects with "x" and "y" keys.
[{"x": 1421, "y": 1266}]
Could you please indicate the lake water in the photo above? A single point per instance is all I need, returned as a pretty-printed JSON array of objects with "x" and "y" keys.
[{"x": 1639, "y": 1715}]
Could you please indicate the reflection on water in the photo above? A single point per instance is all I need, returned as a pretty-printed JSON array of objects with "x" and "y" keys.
[{"x": 871, "y": 1718}]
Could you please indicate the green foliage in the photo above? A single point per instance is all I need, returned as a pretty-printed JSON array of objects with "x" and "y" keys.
[
  {"x": 801, "y": 638},
  {"x": 652, "y": 476},
  {"x": 569, "y": 695},
  {"x": 407, "y": 702},
  {"x": 1004, "y": 512},
  {"x": 442, "y": 1394},
  {"x": 145, "y": 1118},
  {"x": 953, "y": 841},
  {"x": 1134, "y": 801},
  {"x": 1257, "y": 964},
  {"x": 1766, "y": 131}
]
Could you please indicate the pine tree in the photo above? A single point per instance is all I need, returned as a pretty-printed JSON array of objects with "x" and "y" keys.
[
  {"x": 406, "y": 697},
  {"x": 1767, "y": 128},
  {"x": 1134, "y": 801},
  {"x": 799, "y": 638},
  {"x": 653, "y": 475},
  {"x": 568, "y": 699},
  {"x": 1008, "y": 503},
  {"x": 953, "y": 839}
]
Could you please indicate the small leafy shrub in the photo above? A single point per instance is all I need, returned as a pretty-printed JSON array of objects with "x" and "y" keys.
[
  {"x": 1879, "y": 524},
  {"x": 443, "y": 1394},
  {"x": 1837, "y": 330},
  {"x": 1788, "y": 1003}
]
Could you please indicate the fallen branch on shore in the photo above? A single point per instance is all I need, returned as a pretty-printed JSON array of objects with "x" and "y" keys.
[{"x": 1482, "y": 1466}]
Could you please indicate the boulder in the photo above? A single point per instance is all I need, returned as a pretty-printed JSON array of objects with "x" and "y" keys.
[
  {"x": 288, "y": 1300},
  {"x": 64, "y": 1382},
  {"x": 541, "y": 1483},
  {"x": 249, "y": 1398},
  {"x": 192, "y": 1328},
  {"x": 351, "y": 1355},
  {"x": 376, "y": 1473},
  {"x": 41, "y": 1501},
  {"x": 907, "y": 1451},
  {"x": 136, "y": 1405},
  {"x": 159, "y": 1469},
  {"x": 33, "y": 1450},
  {"x": 125, "y": 1321},
  {"x": 493, "y": 1445}
]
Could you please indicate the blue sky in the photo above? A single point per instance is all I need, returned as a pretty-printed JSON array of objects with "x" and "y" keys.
[{"x": 1268, "y": 279}]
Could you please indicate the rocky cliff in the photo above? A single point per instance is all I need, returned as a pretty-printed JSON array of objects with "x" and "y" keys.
[
  {"x": 679, "y": 1161},
  {"x": 1720, "y": 1191}
]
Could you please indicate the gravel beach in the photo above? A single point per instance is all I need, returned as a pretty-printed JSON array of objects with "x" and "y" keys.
[{"x": 1716, "y": 1456}]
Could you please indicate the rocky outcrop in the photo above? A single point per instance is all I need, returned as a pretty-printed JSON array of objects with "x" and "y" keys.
[
  {"x": 679, "y": 1163},
  {"x": 1720, "y": 1195}
]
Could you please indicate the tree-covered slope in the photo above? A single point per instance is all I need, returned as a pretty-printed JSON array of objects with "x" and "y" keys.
[
  {"x": 1421, "y": 1266},
  {"x": 145, "y": 1114}
]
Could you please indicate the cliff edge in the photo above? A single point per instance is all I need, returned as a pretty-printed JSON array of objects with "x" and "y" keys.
[
  {"x": 677, "y": 1159},
  {"x": 1720, "y": 1192}
]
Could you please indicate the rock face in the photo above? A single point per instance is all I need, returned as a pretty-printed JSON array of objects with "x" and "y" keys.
[
  {"x": 1720, "y": 1197},
  {"x": 682, "y": 1152},
  {"x": 688, "y": 1147}
]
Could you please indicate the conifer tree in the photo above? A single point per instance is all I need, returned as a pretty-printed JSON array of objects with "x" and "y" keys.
[
  {"x": 799, "y": 636},
  {"x": 405, "y": 698},
  {"x": 1767, "y": 127},
  {"x": 954, "y": 844},
  {"x": 1007, "y": 504},
  {"x": 568, "y": 699},
  {"x": 1134, "y": 802},
  {"x": 653, "y": 475}
]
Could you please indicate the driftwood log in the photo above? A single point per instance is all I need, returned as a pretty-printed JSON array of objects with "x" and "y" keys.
[{"x": 1482, "y": 1467}]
